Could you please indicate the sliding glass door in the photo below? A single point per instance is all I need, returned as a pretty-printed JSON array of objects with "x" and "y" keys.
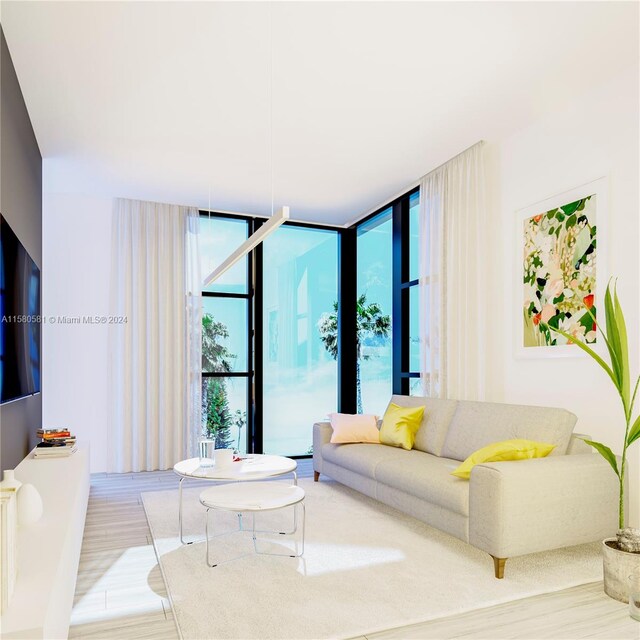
[{"x": 300, "y": 293}]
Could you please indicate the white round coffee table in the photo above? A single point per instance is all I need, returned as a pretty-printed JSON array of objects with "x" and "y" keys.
[
  {"x": 253, "y": 467},
  {"x": 254, "y": 497}
]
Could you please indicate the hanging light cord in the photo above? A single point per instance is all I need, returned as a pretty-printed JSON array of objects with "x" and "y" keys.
[
  {"x": 270, "y": 113},
  {"x": 271, "y": 101}
]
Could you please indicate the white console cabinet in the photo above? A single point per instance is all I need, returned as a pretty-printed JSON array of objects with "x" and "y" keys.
[{"x": 49, "y": 551}]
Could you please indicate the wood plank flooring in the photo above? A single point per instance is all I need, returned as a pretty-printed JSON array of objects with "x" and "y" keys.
[
  {"x": 579, "y": 612},
  {"x": 120, "y": 593}
]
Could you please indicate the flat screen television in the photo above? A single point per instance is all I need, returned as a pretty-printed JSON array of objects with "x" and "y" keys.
[{"x": 19, "y": 318}]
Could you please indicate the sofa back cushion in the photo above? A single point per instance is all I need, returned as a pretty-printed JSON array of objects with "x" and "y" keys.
[
  {"x": 477, "y": 424},
  {"x": 435, "y": 422}
]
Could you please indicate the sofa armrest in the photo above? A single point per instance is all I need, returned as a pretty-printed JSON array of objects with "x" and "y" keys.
[
  {"x": 544, "y": 503},
  {"x": 321, "y": 435},
  {"x": 577, "y": 444}
]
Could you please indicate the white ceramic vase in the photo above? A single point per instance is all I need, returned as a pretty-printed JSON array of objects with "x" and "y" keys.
[
  {"x": 29, "y": 505},
  {"x": 618, "y": 566},
  {"x": 9, "y": 481}
]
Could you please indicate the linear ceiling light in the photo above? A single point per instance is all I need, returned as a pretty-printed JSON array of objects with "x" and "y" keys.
[{"x": 253, "y": 241}]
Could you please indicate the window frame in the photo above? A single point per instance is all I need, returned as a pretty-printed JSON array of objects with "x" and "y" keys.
[
  {"x": 249, "y": 297},
  {"x": 255, "y": 334},
  {"x": 401, "y": 285},
  {"x": 347, "y": 325}
]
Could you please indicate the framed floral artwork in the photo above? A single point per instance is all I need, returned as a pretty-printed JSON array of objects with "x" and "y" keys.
[{"x": 560, "y": 271}]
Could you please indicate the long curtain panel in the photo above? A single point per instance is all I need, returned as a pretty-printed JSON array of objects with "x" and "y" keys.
[
  {"x": 155, "y": 353},
  {"x": 452, "y": 231}
]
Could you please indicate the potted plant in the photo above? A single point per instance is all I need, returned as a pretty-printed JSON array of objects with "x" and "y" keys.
[{"x": 621, "y": 555}]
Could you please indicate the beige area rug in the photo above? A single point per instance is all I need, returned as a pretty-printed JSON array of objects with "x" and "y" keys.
[{"x": 366, "y": 568}]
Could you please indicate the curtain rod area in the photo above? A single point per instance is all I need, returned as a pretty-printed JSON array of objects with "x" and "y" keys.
[
  {"x": 409, "y": 187},
  {"x": 258, "y": 216},
  {"x": 346, "y": 225}
]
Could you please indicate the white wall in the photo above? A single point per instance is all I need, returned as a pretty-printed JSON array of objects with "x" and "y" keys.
[
  {"x": 596, "y": 135},
  {"x": 77, "y": 262}
]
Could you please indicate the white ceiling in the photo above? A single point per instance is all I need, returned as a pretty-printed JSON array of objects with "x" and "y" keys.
[{"x": 168, "y": 101}]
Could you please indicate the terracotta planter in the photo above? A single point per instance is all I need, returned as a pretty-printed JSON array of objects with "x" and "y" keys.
[{"x": 618, "y": 566}]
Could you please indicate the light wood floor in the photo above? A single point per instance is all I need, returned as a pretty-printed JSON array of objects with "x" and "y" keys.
[{"x": 120, "y": 593}]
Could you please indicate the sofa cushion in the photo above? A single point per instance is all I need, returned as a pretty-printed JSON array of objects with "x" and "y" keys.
[
  {"x": 435, "y": 422},
  {"x": 361, "y": 458},
  {"x": 477, "y": 424},
  {"x": 427, "y": 477}
]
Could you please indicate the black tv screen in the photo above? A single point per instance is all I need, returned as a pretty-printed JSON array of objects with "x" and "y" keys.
[{"x": 19, "y": 318}]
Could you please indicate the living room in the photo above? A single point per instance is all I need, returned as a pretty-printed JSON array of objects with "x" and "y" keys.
[{"x": 377, "y": 258}]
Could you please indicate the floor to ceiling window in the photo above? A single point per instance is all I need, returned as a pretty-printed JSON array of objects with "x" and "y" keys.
[
  {"x": 300, "y": 293},
  {"x": 388, "y": 308},
  {"x": 270, "y": 326},
  {"x": 415, "y": 384},
  {"x": 375, "y": 300},
  {"x": 226, "y": 353}
]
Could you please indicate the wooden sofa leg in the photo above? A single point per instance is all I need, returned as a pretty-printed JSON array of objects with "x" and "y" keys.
[
  {"x": 316, "y": 476},
  {"x": 498, "y": 566}
]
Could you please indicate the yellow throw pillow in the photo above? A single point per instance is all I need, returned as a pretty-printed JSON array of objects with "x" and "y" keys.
[
  {"x": 517, "y": 449},
  {"x": 400, "y": 425}
]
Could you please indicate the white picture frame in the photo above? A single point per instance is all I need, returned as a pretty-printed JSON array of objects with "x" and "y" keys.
[{"x": 599, "y": 189}]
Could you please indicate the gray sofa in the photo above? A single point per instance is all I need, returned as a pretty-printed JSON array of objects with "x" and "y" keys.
[{"x": 506, "y": 508}]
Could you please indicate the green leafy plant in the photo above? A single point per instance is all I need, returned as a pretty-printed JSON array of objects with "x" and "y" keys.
[
  {"x": 370, "y": 323},
  {"x": 617, "y": 369},
  {"x": 216, "y": 358}
]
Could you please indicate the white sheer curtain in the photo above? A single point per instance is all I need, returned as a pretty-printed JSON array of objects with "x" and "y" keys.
[
  {"x": 155, "y": 352},
  {"x": 453, "y": 218}
]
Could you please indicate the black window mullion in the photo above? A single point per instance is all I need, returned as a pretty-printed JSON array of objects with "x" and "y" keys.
[
  {"x": 226, "y": 374},
  {"x": 410, "y": 374},
  {"x": 256, "y": 441},
  {"x": 250, "y": 354},
  {"x": 400, "y": 300},
  {"x": 406, "y": 312},
  {"x": 224, "y": 294},
  {"x": 401, "y": 285},
  {"x": 347, "y": 321}
]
